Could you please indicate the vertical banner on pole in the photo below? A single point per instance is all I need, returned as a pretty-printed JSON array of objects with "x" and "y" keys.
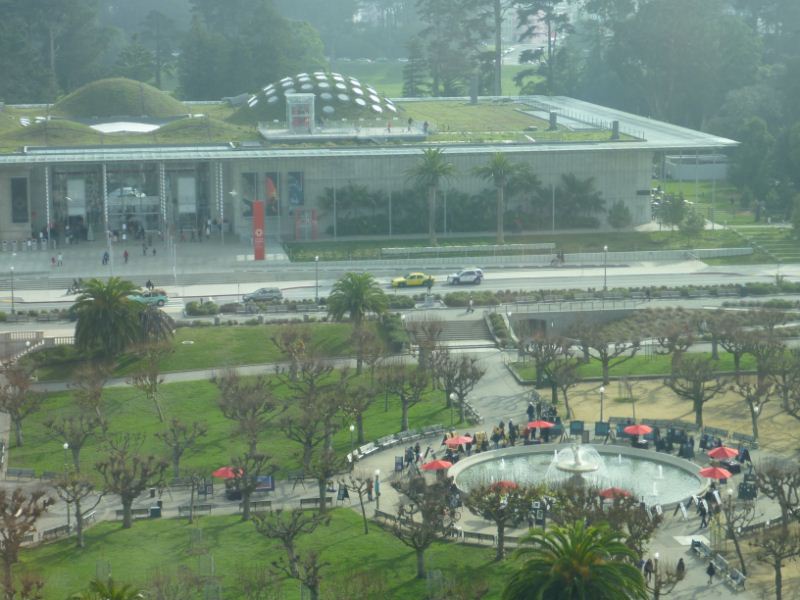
[{"x": 258, "y": 230}]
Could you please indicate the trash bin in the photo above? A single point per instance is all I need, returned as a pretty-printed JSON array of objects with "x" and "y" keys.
[
  {"x": 152, "y": 492},
  {"x": 584, "y": 437},
  {"x": 155, "y": 512},
  {"x": 160, "y": 504}
]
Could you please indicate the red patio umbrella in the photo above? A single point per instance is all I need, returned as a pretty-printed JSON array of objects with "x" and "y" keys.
[
  {"x": 227, "y": 472},
  {"x": 458, "y": 440},
  {"x": 614, "y": 492},
  {"x": 638, "y": 429},
  {"x": 437, "y": 465},
  {"x": 540, "y": 424},
  {"x": 504, "y": 484},
  {"x": 723, "y": 452},
  {"x": 715, "y": 473}
]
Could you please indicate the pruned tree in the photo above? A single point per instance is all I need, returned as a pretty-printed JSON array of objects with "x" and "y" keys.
[
  {"x": 779, "y": 480},
  {"x": 755, "y": 395},
  {"x": 726, "y": 328},
  {"x": 179, "y": 437},
  {"x": 564, "y": 375},
  {"x": 88, "y": 383},
  {"x": 75, "y": 431},
  {"x": 765, "y": 347},
  {"x": 295, "y": 343},
  {"x": 408, "y": 383},
  {"x": 358, "y": 482},
  {"x": 503, "y": 504},
  {"x": 785, "y": 375},
  {"x": 249, "y": 467},
  {"x": 17, "y": 397},
  {"x": 737, "y": 514},
  {"x": 694, "y": 379},
  {"x": 611, "y": 345},
  {"x": 147, "y": 378},
  {"x": 260, "y": 582},
  {"x": 543, "y": 349},
  {"x": 326, "y": 463},
  {"x": 19, "y": 511},
  {"x": 74, "y": 488},
  {"x": 458, "y": 375},
  {"x": 358, "y": 400},
  {"x": 775, "y": 547},
  {"x": 428, "y": 336},
  {"x": 424, "y": 515},
  {"x": 286, "y": 527},
  {"x": 250, "y": 403},
  {"x": 179, "y": 584},
  {"x": 673, "y": 329},
  {"x": 369, "y": 348},
  {"x": 127, "y": 473}
]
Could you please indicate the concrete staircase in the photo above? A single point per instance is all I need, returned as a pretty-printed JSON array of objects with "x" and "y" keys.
[{"x": 462, "y": 332}]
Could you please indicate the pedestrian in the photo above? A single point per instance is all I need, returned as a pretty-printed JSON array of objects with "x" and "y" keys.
[
  {"x": 680, "y": 570},
  {"x": 125, "y": 257},
  {"x": 369, "y": 489},
  {"x": 144, "y": 249},
  {"x": 60, "y": 259},
  {"x": 711, "y": 570},
  {"x": 429, "y": 284},
  {"x": 470, "y": 308},
  {"x": 52, "y": 261},
  {"x": 531, "y": 410},
  {"x": 106, "y": 257},
  {"x": 648, "y": 570},
  {"x": 703, "y": 510},
  {"x": 154, "y": 251},
  {"x": 149, "y": 285}
]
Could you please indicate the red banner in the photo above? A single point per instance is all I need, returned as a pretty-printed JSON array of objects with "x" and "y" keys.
[{"x": 258, "y": 230}]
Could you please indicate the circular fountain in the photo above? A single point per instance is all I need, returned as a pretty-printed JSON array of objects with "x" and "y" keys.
[{"x": 655, "y": 478}]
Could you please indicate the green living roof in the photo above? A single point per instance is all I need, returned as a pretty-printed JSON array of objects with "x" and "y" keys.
[{"x": 118, "y": 97}]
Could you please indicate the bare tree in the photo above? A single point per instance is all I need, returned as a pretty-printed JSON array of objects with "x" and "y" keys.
[
  {"x": 260, "y": 583},
  {"x": 503, "y": 505},
  {"x": 75, "y": 430},
  {"x": 357, "y": 402},
  {"x": 147, "y": 378},
  {"x": 369, "y": 347},
  {"x": 774, "y": 547},
  {"x": 755, "y": 395},
  {"x": 564, "y": 375},
  {"x": 286, "y": 527},
  {"x": 88, "y": 383},
  {"x": 738, "y": 514},
  {"x": 73, "y": 488},
  {"x": 326, "y": 463},
  {"x": 673, "y": 330},
  {"x": 785, "y": 374},
  {"x": 408, "y": 383},
  {"x": 358, "y": 482},
  {"x": 727, "y": 329},
  {"x": 457, "y": 375},
  {"x": 17, "y": 397},
  {"x": 694, "y": 379},
  {"x": 425, "y": 515},
  {"x": 250, "y": 403},
  {"x": 779, "y": 480},
  {"x": 181, "y": 584},
  {"x": 127, "y": 473},
  {"x": 543, "y": 349},
  {"x": 428, "y": 335},
  {"x": 295, "y": 343},
  {"x": 179, "y": 437},
  {"x": 19, "y": 512},
  {"x": 611, "y": 345},
  {"x": 249, "y": 468}
]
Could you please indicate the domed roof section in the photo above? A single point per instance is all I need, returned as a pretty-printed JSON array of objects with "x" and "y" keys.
[
  {"x": 118, "y": 97},
  {"x": 337, "y": 97}
]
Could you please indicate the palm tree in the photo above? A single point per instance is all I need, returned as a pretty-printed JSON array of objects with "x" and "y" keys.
[
  {"x": 155, "y": 326},
  {"x": 579, "y": 198},
  {"x": 576, "y": 562},
  {"x": 108, "y": 322},
  {"x": 99, "y": 590},
  {"x": 356, "y": 294},
  {"x": 499, "y": 171},
  {"x": 428, "y": 173}
]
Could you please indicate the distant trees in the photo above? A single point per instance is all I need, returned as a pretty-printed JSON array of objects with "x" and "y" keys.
[
  {"x": 503, "y": 503},
  {"x": 428, "y": 173},
  {"x": 179, "y": 437},
  {"x": 619, "y": 215},
  {"x": 17, "y": 397},
  {"x": 499, "y": 171},
  {"x": 74, "y": 489},
  {"x": 695, "y": 379},
  {"x": 408, "y": 383}
]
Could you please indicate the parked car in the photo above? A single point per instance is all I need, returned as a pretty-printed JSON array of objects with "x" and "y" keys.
[
  {"x": 264, "y": 295},
  {"x": 156, "y": 297},
  {"x": 413, "y": 280},
  {"x": 474, "y": 275}
]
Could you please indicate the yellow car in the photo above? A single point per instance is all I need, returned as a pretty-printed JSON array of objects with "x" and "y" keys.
[{"x": 413, "y": 280}]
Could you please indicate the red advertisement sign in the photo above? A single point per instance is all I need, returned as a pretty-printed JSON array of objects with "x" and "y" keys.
[{"x": 258, "y": 229}]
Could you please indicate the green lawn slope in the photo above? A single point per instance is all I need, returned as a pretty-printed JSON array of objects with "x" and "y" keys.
[{"x": 118, "y": 97}]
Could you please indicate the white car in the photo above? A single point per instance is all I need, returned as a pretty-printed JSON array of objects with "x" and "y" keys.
[{"x": 474, "y": 275}]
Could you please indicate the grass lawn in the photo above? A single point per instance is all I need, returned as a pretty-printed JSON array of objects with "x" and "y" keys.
[
  {"x": 136, "y": 554},
  {"x": 215, "y": 347},
  {"x": 591, "y": 241},
  {"x": 638, "y": 366},
  {"x": 725, "y": 212},
  {"x": 128, "y": 411}
]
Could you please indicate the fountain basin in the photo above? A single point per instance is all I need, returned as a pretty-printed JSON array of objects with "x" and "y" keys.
[{"x": 621, "y": 466}]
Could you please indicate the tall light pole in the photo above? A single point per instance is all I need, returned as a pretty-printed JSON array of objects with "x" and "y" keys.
[
  {"x": 453, "y": 398},
  {"x": 66, "y": 474},
  {"x": 605, "y": 268},
  {"x": 316, "y": 279},
  {"x": 352, "y": 449},
  {"x": 602, "y": 397},
  {"x": 12, "y": 290}
]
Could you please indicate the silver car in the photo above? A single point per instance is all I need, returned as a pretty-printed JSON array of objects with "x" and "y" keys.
[{"x": 474, "y": 276}]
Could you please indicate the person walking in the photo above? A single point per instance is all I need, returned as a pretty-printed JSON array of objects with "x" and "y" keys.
[
  {"x": 703, "y": 510},
  {"x": 470, "y": 308},
  {"x": 648, "y": 570},
  {"x": 680, "y": 570},
  {"x": 711, "y": 570},
  {"x": 149, "y": 285},
  {"x": 369, "y": 489},
  {"x": 125, "y": 257},
  {"x": 144, "y": 249},
  {"x": 530, "y": 410},
  {"x": 60, "y": 259}
]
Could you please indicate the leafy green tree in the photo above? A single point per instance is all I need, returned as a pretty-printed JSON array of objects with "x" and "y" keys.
[
  {"x": 550, "y": 16},
  {"x": 159, "y": 33},
  {"x": 108, "y": 322},
  {"x": 672, "y": 210},
  {"x": 619, "y": 215},
  {"x": 576, "y": 562},
  {"x": 428, "y": 174},
  {"x": 693, "y": 224},
  {"x": 752, "y": 164},
  {"x": 578, "y": 201},
  {"x": 108, "y": 590},
  {"x": 499, "y": 171},
  {"x": 135, "y": 62},
  {"x": 415, "y": 71}
]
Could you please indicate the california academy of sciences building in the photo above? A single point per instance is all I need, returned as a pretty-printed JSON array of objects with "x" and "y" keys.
[{"x": 314, "y": 134}]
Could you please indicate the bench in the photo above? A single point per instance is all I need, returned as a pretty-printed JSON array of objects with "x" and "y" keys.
[
  {"x": 55, "y": 532},
  {"x": 721, "y": 564},
  {"x": 386, "y": 441},
  {"x": 701, "y": 549},
  {"x": 90, "y": 517},
  {"x": 433, "y": 430},
  {"x": 744, "y": 438},
  {"x": 716, "y": 431},
  {"x": 315, "y": 501},
  {"x": 367, "y": 449},
  {"x": 735, "y": 579},
  {"x": 257, "y": 505},
  {"x": 20, "y": 473},
  {"x": 478, "y": 537},
  {"x": 28, "y": 538},
  {"x": 198, "y": 508},
  {"x": 49, "y": 475},
  {"x": 136, "y": 513},
  {"x": 379, "y": 514}
]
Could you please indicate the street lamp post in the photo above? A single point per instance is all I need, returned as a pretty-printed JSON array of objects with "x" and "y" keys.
[
  {"x": 453, "y": 398},
  {"x": 316, "y": 279},
  {"x": 602, "y": 397},
  {"x": 377, "y": 489},
  {"x": 605, "y": 268},
  {"x": 66, "y": 473},
  {"x": 12, "y": 290}
]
